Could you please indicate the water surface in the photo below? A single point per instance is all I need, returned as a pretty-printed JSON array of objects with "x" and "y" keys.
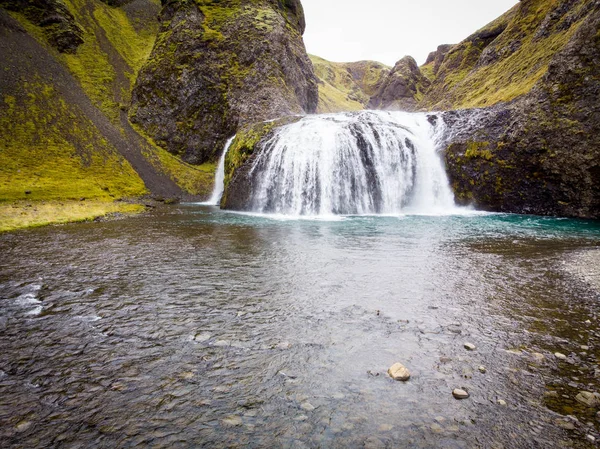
[{"x": 192, "y": 327}]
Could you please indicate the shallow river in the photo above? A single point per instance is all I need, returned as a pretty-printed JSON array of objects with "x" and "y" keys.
[{"x": 191, "y": 327}]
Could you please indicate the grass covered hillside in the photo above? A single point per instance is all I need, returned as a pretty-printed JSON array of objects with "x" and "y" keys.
[
  {"x": 347, "y": 86},
  {"x": 506, "y": 58},
  {"x": 67, "y": 150}
]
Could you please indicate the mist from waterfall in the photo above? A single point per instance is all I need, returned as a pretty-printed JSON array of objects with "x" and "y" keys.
[{"x": 359, "y": 163}]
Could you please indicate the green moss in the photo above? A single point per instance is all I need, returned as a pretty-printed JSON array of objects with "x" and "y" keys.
[
  {"x": 194, "y": 179},
  {"x": 346, "y": 86},
  {"x": 51, "y": 151},
  {"x": 522, "y": 59},
  {"x": 478, "y": 150},
  {"x": 30, "y": 214},
  {"x": 133, "y": 46},
  {"x": 243, "y": 146}
]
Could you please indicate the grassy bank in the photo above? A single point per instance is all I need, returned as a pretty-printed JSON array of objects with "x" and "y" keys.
[{"x": 30, "y": 214}]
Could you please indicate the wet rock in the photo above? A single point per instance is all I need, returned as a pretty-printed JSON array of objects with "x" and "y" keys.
[
  {"x": 204, "y": 336},
  {"x": 564, "y": 424},
  {"x": 538, "y": 357},
  {"x": 589, "y": 399},
  {"x": 23, "y": 426},
  {"x": 307, "y": 406},
  {"x": 232, "y": 421},
  {"x": 560, "y": 356},
  {"x": 459, "y": 393},
  {"x": 470, "y": 347},
  {"x": 399, "y": 372}
]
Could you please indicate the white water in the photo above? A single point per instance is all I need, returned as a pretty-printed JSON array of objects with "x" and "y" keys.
[
  {"x": 217, "y": 192},
  {"x": 370, "y": 162}
]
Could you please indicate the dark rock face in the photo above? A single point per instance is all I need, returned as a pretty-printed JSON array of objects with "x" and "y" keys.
[
  {"x": 402, "y": 87},
  {"x": 437, "y": 56},
  {"x": 58, "y": 23},
  {"x": 219, "y": 65},
  {"x": 541, "y": 153}
]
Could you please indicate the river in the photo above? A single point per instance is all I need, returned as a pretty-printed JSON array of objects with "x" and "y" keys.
[{"x": 194, "y": 327}]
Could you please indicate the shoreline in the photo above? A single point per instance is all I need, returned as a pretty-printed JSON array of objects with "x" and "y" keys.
[{"x": 21, "y": 215}]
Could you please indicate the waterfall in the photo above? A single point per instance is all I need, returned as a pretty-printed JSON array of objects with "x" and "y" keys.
[
  {"x": 219, "y": 187},
  {"x": 368, "y": 162}
]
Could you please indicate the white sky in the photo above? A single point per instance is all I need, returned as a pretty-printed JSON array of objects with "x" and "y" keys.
[{"x": 387, "y": 30}]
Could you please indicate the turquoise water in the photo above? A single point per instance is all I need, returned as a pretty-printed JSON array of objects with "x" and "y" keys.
[{"x": 194, "y": 327}]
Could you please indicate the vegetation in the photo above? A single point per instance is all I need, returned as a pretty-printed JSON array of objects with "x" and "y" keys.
[
  {"x": 51, "y": 152},
  {"x": 503, "y": 60},
  {"x": 346, "y": 86},
  {"x": 26, "y": 214}
]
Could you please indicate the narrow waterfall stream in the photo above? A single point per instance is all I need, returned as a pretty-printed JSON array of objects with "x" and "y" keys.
[
  {"x": 217, "y": 192},
  {"x": 358, "y": 163}
]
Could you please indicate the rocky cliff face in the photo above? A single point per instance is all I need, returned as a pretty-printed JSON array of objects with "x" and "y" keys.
[
  {"x": 402, "y": 88},
  {"x": 540, "y": 153},
  {"x": 218, "y": 65}
]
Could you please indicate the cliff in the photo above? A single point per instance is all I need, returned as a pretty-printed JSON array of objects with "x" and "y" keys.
[
  {"x": 540, "y": 153},
  {"x": 347, "y": 86},
  {"x": 218, "y": 65}
]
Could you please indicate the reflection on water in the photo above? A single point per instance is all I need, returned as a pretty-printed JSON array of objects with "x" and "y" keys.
[{"x": 193, "y": 327}]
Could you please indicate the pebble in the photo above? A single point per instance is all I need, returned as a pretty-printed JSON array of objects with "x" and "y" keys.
[
  {"x": 587, "y": 398},
  {"x": 399, "y": 372},
  {"x": 585, "y": 348},
  {"x": 591, "y": 438},
  {"x": 501, "y": 402},
  {"x": 460, "y": 394},
  {"x": 538, "y": 357},
  {"x": 560, "y": 356},
  {"x": 233, "y": 421},
  {"x": 386, "y": 427},
  {"x": 307, "y": 406},
  {"x": 470, "y": 347},
  {"x": 482, "y": 369}
]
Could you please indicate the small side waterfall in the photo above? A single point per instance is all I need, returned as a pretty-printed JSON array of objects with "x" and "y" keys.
[
  {"x": 217, "y": 192},
  {"x": 370, "y": 162}
]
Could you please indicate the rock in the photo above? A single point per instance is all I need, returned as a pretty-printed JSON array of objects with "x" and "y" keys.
[
  {"x": 587, "y": 398},
  {"x": 399, "y": 372},
  {"x": 510, "y": 159},
  {"x": 203, "y": 336},
  {"x": 501, "y": 402},
  {"x": 58, "y": 25},
  {"x": 470, "y": 347},
  {"x": 307, "y": 406},
  {"x": 232, "y": 421},
  {"x": 460, "y": 394},
  {"x": 211, "y": 72},
  {"x": 538, "y": 357},
  {"x": 399, "y": 90},
  {"x": 585, "y": 348},
  {"x": 564, "y": 424},
  {"x": 560, "y": 356},
  {"x": 591, "y": 438}
]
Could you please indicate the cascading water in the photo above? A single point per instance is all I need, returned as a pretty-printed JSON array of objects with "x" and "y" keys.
[
  {"x": 369, "y": 162},
  {"x": 217, "y": 192}
]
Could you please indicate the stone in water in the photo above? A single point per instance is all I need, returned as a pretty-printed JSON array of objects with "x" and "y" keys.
[
  {"x": 399, "y": 372},
  {"x": 470, "y": 347},
  {"x": 460, "y": 394}
]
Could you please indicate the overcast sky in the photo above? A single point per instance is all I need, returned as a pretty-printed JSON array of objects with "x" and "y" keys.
[{"x": 387, "y": 30}]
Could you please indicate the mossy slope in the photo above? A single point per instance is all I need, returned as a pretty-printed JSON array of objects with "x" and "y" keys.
[
  {"x": 65, "y": 88},
  {"x": 347, "y": 86}
]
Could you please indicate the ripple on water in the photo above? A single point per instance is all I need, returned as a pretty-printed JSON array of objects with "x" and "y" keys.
[{"x": 221, "y": 330}]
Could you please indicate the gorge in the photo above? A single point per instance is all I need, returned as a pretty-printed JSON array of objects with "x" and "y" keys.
[{"x": 248, "y": 237}]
